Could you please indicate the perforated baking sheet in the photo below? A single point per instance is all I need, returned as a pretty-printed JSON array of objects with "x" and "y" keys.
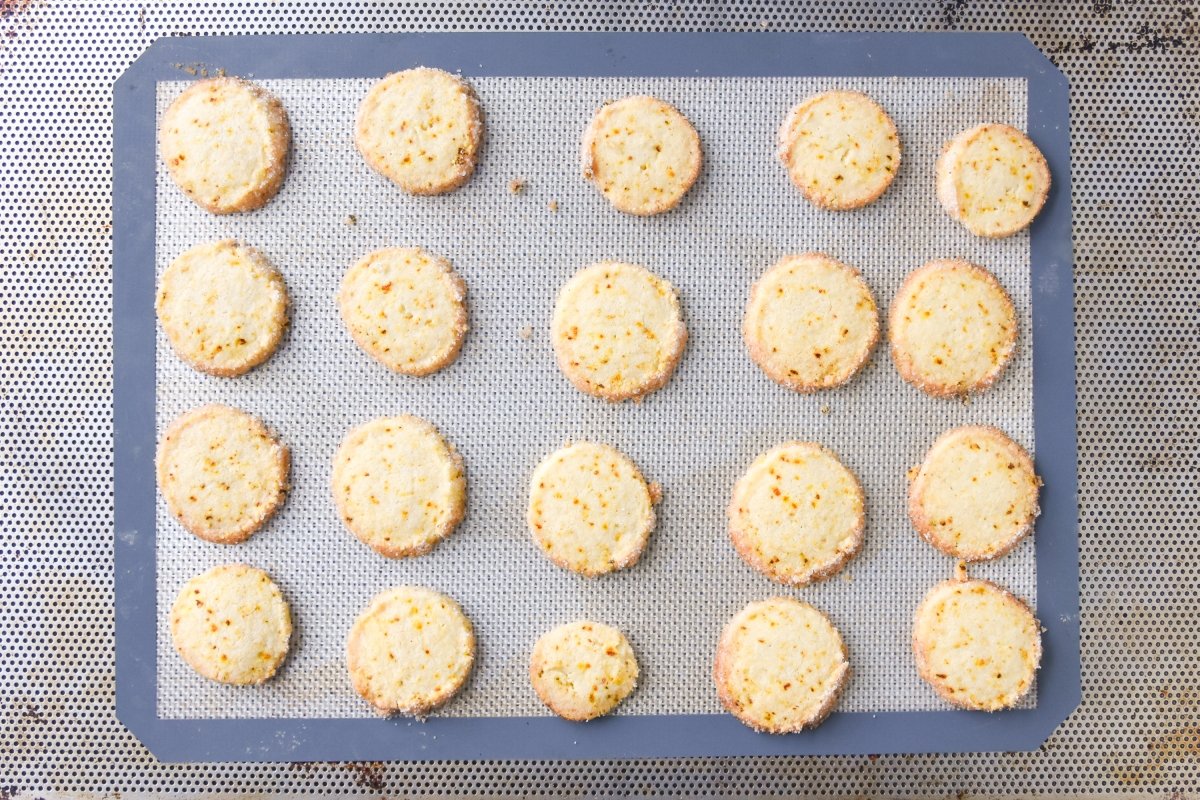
[{"x": 505, "y": 405}]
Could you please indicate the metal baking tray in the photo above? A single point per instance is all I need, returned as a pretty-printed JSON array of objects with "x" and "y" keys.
[{"x": 697, "y": 56}]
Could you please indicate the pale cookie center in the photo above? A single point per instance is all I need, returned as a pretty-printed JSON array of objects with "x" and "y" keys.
[
  {"x": 619, "y": 328},
  {"x": 589, "y": 508},
  {"x": 956, "y": 328},
  {"x": 398, "y": 486},
  {"x": 976, "y": 496},
  {"x": 798, "y": 512},
  {"x": 812, "y": 324},
  {"x": 999, "y": 180}
]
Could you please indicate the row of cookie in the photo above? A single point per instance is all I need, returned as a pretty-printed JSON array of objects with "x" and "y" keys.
[
  {"x": 811, "y": 322},
  {"x": 780, "y": 664},
  {"x": 796, "y": 515},
  {"x": 225, "y": 142}
]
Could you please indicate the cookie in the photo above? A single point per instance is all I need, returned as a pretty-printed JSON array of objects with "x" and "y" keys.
[
  {"x": 232, "y": 625},
  {"x": 953, "y": 328},
  {"x": 781, "y": 666},
  {"x": 399, "y": 487},
  {"x": 590, "y": 510},
  {"x": 225, "y": 142},
  {"x": 617, "y": 330},
  {"x": 583, "y": 670},
  {"x": 221, "y": 473},
  {"x": 975, "y": 496},
  {"x": 421, "y": 129},
  {"x": 410, "y": 651},
  {"x": 840, "y": 148},
  {"x": 993, "y": 180},
  {"x": 977, "y": 645},
  {"x": 811, "y": 322},
  {"x": 798, "y": 514},
  {"x": 223, "y": 307},
  {"x": 642, "y": 154},
  {"x": 406, "y": 308}
]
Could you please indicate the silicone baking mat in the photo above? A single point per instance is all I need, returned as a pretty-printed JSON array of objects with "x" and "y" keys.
[{"x": 504, "y": 404}]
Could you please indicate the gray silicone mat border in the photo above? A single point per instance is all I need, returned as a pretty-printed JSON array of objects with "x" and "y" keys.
[{"x": 586, "y": 54}]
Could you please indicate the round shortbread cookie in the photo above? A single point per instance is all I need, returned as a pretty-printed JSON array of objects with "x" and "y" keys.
[
  {"x": 811, "y": 322},
  {"x": 232, "y": 625},
  {"x": 225, "y": 142},
  {"x": 798, "y": 514},
  {"x": 953, "y": 328},
  {"x": 421, "y": 129},
  {"x": 410, "y": 651},
  {"x": 975, "y": 496},
  {"x": 618, "y": 330},
  {"x": 223, "y": 306},
  {"x": 399, "y": 487},
  {"x": 406, "y": 308},
  {"x": 781, "y": 666},
  {"x": 221, "y": 473},
  {"x": 583, "y": 670},
  {"x": 840, "y": 148},
  {"x": 590, "y": 510},
  {"x": 977, "y": 645},
  {"x": 993, "y": 180},
  {"x": 642, "y": 154}
]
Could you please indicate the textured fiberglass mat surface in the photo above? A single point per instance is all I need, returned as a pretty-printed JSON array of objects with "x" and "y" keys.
[{"x": 505, "y": 405}]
